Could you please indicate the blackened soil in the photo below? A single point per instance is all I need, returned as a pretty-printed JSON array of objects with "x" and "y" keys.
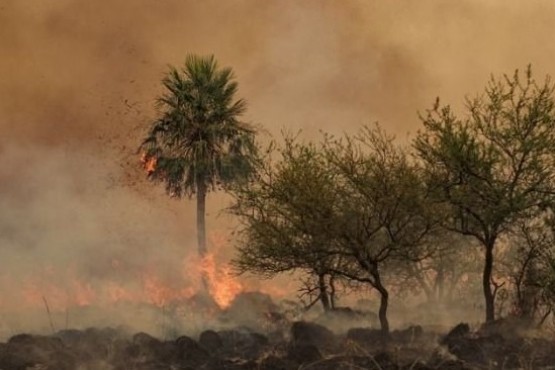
[{"x": 307, "y": 346}]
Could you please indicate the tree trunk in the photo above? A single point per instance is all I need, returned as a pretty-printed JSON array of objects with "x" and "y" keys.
[
  {"x": 429, "y": 292},
  {"x": 384, "y": 300},
  {"x": 455, "y": 276},
  {"x": 332, "y": 292},
  {"x": 201, "y": 225},
  {"x": 201, "y": 228},
  {"x": 486, "y": 281},
  {"x": 440, "y": 280},
  {"x": 324, "y": 298}
]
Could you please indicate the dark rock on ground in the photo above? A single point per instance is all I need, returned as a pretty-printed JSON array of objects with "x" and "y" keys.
[
  {"x": 154, "y": 349},
  {"x": 211, "y": 340},
  {"x": 190, "y": 353},
  {"x": 253, "y": 309},
  {"x": 243, "y": 343},
  {"x": 303, "y": 332},
  {"x": 70, "y": 337},
  {"x": 507, "y": 327},
  {"x": 459, "y": 331},
  {"x": 25, "y": 351},
  {"x": 489, "y": 350},
  {"x": 311, "y": 346},
  {"x": 95, "y": 344}
]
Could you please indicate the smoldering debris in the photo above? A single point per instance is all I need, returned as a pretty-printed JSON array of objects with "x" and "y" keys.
[{"x": 309, "y": 345}]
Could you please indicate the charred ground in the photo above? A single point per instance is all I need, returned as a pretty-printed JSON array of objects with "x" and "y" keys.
[{"x": 273, "y": 341}]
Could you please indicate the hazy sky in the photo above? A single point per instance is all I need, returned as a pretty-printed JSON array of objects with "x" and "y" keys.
[{"x": 79, "y": 78}]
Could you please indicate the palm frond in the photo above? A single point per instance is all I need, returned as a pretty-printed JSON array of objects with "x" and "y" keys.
[{"x": 199, "y": 138}]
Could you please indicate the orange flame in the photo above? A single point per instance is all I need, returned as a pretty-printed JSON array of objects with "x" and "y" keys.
[
  {"x": 149, "y": 163},
  {"x": 84, "y": 293},
  {"x": 222, "y": 285},
  {"x": 160, "y": 293},
  {"x": 65, "y": 288},
  {"x": 117, "y": 293}
]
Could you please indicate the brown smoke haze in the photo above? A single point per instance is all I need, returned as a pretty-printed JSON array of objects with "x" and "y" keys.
[{"x": 78, "y": 80}]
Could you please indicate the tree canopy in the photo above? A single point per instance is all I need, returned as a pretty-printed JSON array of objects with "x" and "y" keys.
[
  {"x": 346, "y": 207},
  {"x": 496, "y": 165}
]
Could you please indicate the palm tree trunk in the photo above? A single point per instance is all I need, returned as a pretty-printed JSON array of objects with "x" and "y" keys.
[{"x": 201, "y": 228}]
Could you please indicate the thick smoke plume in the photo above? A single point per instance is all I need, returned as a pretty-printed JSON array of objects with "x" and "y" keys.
[{"x": 79, "y": 79}]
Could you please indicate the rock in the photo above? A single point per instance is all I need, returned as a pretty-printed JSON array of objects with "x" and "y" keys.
[
  {"x": 459, "y": 331},
  {"x": 36, "y": 341},
  {"x": 253, "y": 309},
  {"x": 96, "y": 344},
  {"x": 243, "y": 343},
  {"x": 146, "y": 347},
  {"x": 211, "y": 340},
  {"x": 70, "y": 337},
  {"x": 490, "y": 350},
  {"x": 145, "y": 340},
  {"x": 507, "y": 327},
  {"x": 190, "y": 353},
  {"x": 26, "y": 351},
  {"x": 303, "y": 332}
]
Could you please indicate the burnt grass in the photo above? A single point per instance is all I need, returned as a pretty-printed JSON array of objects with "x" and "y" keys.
[{"x": 298, "y": 345}]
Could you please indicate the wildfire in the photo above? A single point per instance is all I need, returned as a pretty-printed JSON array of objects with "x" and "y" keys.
[
  {"x": 149, "y": 163},
  {"x": 154, "y": 284},
  {"x": 222, "y": 285},
  {"x": 117, "y": 293},
  {"x": 84, "y": 293},
  {"x": 160, "y": 293}
]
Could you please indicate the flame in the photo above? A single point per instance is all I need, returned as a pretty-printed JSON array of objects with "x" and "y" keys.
[
  {"x": 117, "y": 293},
  {"x": 222, "y": 285},
  {"x": 160, "y": 293},
  {"x": 149, "y": 163},
  {"x": 153, "y": 284},
  {"x": 62, "y": 290},
  {"x": 84, "y": 293}
]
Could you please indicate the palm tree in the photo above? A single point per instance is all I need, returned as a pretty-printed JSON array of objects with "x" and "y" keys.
[{"x": 197, "y": 143}]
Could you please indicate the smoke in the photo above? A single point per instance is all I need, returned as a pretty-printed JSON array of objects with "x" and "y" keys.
[
  {"x": 79, "y": 79},
  {"x": 74, "y": 70}
]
